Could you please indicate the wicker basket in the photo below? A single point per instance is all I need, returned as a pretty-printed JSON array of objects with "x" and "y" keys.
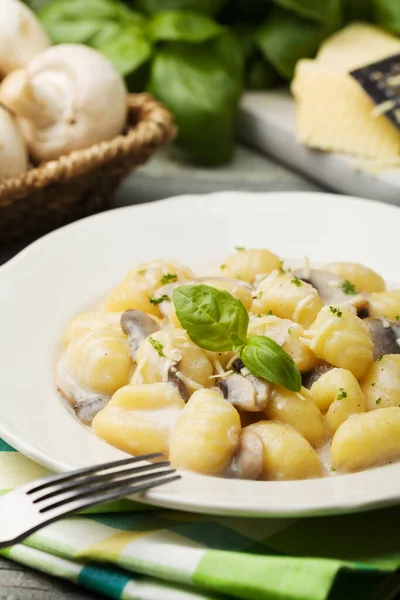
[{"x": 82, "y": 182}]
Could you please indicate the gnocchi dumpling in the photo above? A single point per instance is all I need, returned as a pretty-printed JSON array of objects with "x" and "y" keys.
[
  {"x": 298, "y": 410},
  {"x": 87, "y": 321},
  {"x": 131, "y": 295},
  {"x": 247, "y": 264},
  {"x": 159, "y": 273},
  {"x": 234, "y": 287},
  {"x": 99, "y": 361},
  {"x": 338, "y": 394},
  {"x": 288, "y": 334},
  {"x": 169, "y": 347},
  {"x": 286, "y": 454},
  {"x": 139, "y": 418},
  {"x": 363, "y": 278},
  {"x": 287, "y": 297},
  {"x": 366, "y": 440},
  {"x": 340, "y": 338},
  {"x": 206, "y": 434},
  {"x": 385, "y": 304},
  {"x": 381, "y": 384}
]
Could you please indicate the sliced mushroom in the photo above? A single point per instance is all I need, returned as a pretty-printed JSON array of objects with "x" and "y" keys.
[
  {"x": 248, "y": 393},
  {"x": 178, "y": 383},
  {"x": 247, "y": 462},
  {"x": 137, "y": 326},
  {"x": 385, "y": 336},
  {"x": 314, "y": 374},
  {"x": 87, "y": 410},
  {"x": 330, "y": 288}
]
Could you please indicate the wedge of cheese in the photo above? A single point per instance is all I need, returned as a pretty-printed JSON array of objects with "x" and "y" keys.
[
  {"x": 333, "y": 112},
  {"x": 357, "y": 45}
]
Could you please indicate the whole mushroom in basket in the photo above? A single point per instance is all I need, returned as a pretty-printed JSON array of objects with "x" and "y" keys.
[
  {"x": 67, "y": 98},
  {"x": 21, "y": 36},
  {"x": 13, "y": 152}
]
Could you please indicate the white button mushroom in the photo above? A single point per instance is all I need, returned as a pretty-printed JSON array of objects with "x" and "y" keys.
[
  {"x": 13, "y": 152},
  {"x": 67, "y": 98},
  {"x": 21, "y": 36}
]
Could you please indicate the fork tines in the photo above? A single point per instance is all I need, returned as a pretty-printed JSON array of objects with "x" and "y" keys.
[{"x": 99, "y": 483}]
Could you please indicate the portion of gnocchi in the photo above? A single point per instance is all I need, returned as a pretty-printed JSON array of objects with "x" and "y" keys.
[{"x": 258, "y": 370}]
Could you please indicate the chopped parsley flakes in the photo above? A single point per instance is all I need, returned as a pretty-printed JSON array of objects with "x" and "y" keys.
[
  {"x": 269, "y": 313},
  {"x": 336, "y": 311},
  {"x": 158, "y": 347},
  {"x": 163, "y": 298},
  {"x": 142, "y": 272},
  {"x": 240, "y": 248},
  {"x": 260, "y": 295},
  {"x": 397, "y": 317},
  {"x": 348, "y": 288},
  {"x": 168, "y": 278},
  {"x": 222, "y": 267},
  {"x": 380, "y": 357},
  {"x": 296, "y": 281},
  {"x": 342, "y": 394},
  {"x": 379, "y": 400}
]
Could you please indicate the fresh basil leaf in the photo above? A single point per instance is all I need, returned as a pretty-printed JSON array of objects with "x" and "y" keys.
[
  {"x": 184, "y": 26},
  {"x": 244, "y": 11},
  {"x": 357, "y": 10},
  {"x": 151, "y": 7},
  {"x": 326, "y": 11},
  {"x": 212, "y": 318},
  {"x": 127, "y": 49},
  {"x": 201, "y": 84},
  {"x": 266, "y": 359},
  {"x": 281, "y": 26},
  {"x": 387, "y": 14},
  {"x": 107, "y": 25}
]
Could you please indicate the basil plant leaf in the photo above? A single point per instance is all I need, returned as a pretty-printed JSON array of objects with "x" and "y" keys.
[
  {"x": 387, "y": 14},
  {"x": 266, "y": 359},
  {"x": 328, "y": 11},
  {"x": 109, "y": 26},
  {"x": 212, "y": 318},
  {"x": 184, "y": 26},
  {"x": 201, "y": 84},
  {"x": 152, "y": 7},
  {"x": 281, "y": 25}
]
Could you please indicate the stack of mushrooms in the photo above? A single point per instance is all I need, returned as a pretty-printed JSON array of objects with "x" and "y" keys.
[{"x": 53, "y": 99}]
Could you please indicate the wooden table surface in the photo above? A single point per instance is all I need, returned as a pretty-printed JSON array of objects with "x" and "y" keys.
[{"x": 166, "y": 175}]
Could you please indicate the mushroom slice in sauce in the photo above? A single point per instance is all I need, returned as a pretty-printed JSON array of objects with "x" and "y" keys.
[
  {"x": 137, "y": 326},
  {"x": 247, "y": 462},
  {"x": 178, "y": 383},
  {"x": 315, "y": 373},
  {"x": 329, "y": 287},
  {"x": 385, "y": 335},
  {"x": 87, "y": 410},
  {"x": 248, "y": 393}
]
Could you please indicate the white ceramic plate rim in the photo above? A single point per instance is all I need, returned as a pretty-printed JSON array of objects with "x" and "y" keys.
[{"x": 294, "y": 223}]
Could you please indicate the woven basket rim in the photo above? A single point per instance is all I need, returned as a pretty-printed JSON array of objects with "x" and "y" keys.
[{"x": 149, "y": 126}]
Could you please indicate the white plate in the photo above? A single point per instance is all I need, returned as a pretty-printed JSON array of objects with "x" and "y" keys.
[{"x": 67, "y": 270}]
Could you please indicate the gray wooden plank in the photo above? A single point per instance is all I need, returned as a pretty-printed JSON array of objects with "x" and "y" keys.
[{"x": 20, "y": 583}]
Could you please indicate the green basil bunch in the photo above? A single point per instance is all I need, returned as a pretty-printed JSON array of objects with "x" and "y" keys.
[{"x": 217, "y": 321}]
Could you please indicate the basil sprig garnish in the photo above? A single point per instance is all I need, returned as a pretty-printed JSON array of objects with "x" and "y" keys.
[{"x": 217, "y": 321}]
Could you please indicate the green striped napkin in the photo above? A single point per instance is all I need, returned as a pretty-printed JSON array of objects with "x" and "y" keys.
[{"x": 135, "y": 553}]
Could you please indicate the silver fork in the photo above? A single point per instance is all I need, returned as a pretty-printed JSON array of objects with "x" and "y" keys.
[{"x": 32, "y": 506}]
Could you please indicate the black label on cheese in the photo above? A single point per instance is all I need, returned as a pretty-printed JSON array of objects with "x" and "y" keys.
[{"x": 381, "y": 81}]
